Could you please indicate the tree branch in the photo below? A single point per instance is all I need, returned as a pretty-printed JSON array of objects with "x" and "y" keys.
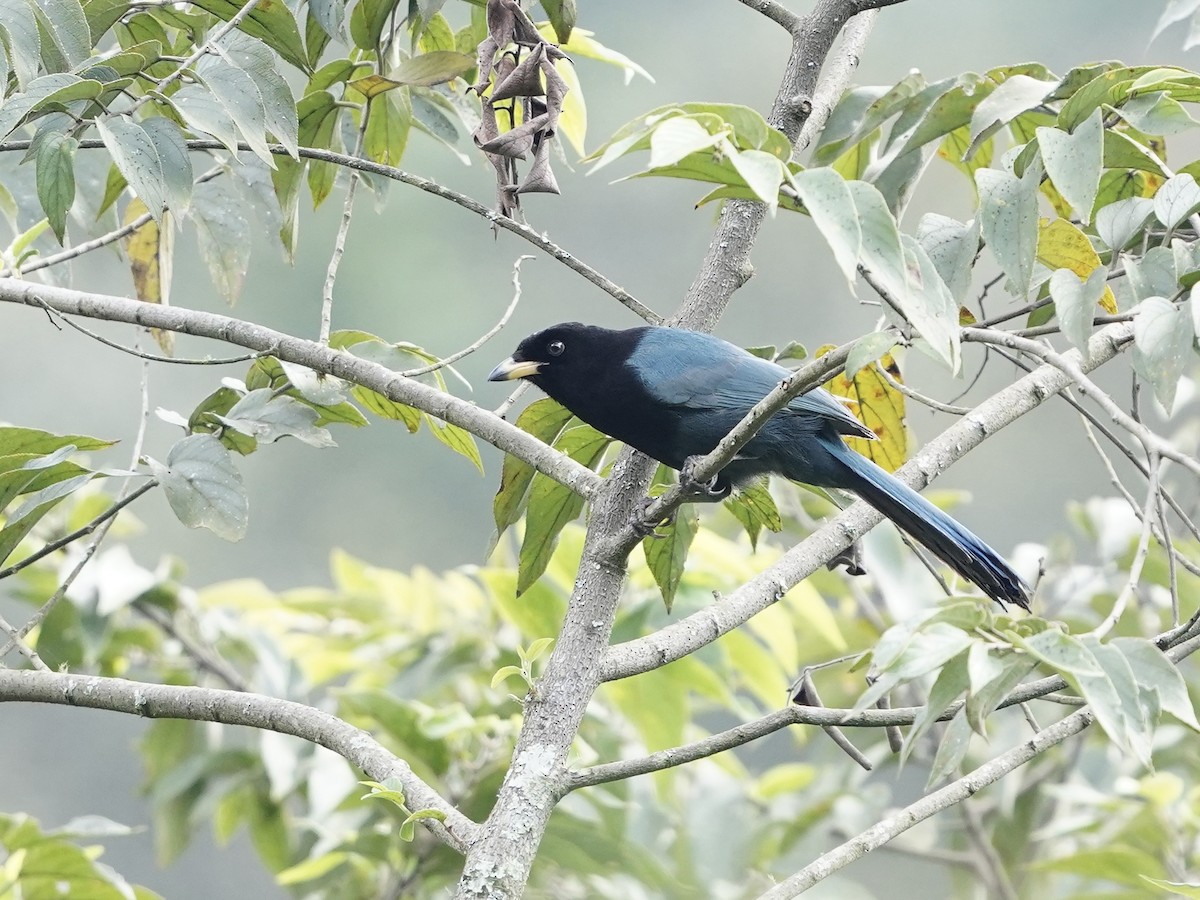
[
  {"x": 776, "y": 12},
  {"x": 700, "y": 628},
  {"x": 160, "y": 701},
  {"x": 317, "y": 357}
]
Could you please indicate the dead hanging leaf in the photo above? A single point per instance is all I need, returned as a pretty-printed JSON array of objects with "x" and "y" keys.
[
  {"x": 149, "y": 249},
  {"x": 877, "y": 405},
  {"x": 519, "y": 87}
]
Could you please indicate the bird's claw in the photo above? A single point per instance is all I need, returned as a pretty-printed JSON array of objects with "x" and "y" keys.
[
  {"x": 706, "y": 490},
  {"x": 642, "y": 524}
]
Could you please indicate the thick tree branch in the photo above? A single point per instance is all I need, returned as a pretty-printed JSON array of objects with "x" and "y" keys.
[
  {"x": 161, "y": 701},
  {"x": 499, "y": 863},
  {"x": 317, "y": 357},
  {"x": 700, "y": 628},
  {"x": 776, "y": 12}
]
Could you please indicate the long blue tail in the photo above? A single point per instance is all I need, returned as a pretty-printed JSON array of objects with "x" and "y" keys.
[{"x": 949, "y": 541}]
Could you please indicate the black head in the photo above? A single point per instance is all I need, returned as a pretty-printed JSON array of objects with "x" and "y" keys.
[{"x": 568, "y": 354}]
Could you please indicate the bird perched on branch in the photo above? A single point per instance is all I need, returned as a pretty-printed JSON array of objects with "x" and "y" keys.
[{"x": 673, "y": 395}]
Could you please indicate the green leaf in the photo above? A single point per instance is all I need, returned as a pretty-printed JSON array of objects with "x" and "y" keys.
[
  {"x": 15, "y": 440},
  {"x": 457, "y": 439},
  {"x": 666, "y": 551},
  {"x": 1177, "y": 199},
  {"x": 544, "y": 419},
  {"x": 1073, "y": 162},
  {"x": 1016, "y": 95},
  {"x": 829, "y": 201},
  {"x": 56, "y": 179},
  {"x": 205, "y": 114},
  {"x": 38, "y": 91},
  {"x": 134, "y": 153},
  {"x": 267, "y": 418},
  {"x": 223, "y": 232},
  {"x": 204, "y": 486},
  {"x": 552, "y": 505},
  {"x": 754, "y": 507},
  {"x": 1163, "y": 334},
  {"x": 1076, "y": 302},
  {"x": 952, "y": 247},
  {"x": 388, "y": 125},
  {"x": 1119, "y": 223},
  {"x": 1154, "y": 671},
  {"x": 956, "y": 740},
  {"x": 428, "y": 69},
  {"x": 504, "y": 673},
  {"x": 950, "y": 684},
  {"x": 22, "y": 43},
  {"x": 270, "y": 21},
  {"x": 1008, "y": 211},
  {"x": 172, "y": 151},
  {"x": 67, "y": 26},
  {"x": 562, "y": 15},
  {"x": 367, "y": 21},
  {"x": 236, "y": 91}
]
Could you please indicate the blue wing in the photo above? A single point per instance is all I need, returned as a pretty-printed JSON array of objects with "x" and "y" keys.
[{"x": 702, "y": 372}]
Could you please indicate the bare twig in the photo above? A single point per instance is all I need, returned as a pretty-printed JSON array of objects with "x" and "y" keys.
[
  {"x": 153, "y": 357},
  {"x": 204, "y": 657},
  {"x": 1139, "y": 556},
  {"x": 75, "y": 535},
  {"x": 16, "y": 639},
  {"x": 491, "y": 333},
  {"x": 812, "y": 698},
  {"x": 339, "y": 240},
  {"x": 776, "y": 12}
]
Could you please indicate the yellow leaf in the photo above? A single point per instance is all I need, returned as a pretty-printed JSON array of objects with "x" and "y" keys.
[
  {"x": 877, "y": 405},
  {"x": 1063, "y": 246},
  {"x": 572, "y": 121},
  {"x": 374, "y": 84},
  {"x": 149, "y": 249}
]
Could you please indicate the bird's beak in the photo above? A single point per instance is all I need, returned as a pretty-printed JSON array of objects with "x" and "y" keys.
[{"x": 514, "y": 368}]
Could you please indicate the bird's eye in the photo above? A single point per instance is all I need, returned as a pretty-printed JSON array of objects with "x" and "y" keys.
[{"x": 556, "y": 348}]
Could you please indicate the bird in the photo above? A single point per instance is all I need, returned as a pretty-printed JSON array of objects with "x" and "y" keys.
[{"x": 673, "y": 394}]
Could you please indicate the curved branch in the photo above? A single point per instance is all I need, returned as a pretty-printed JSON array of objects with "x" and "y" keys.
[
  {"x": 705, "y": 626},
  {"x": 317, "y": 357},
  {"x": 357, "y": 164},
  {"x": 161, "y": 701}
]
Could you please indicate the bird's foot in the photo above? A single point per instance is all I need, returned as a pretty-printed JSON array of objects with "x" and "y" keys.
[
  {"x": 642, "y": 524},
  {"x": 851, "y": 558},
  {"x": 709, "y": 491}
]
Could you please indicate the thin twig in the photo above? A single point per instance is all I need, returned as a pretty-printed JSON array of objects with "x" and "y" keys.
[
  {"x": 339, "y": 240},
  {"x": 989, "y": 867},
  {"x": 153, "y": 357},
  {"x": 15, "y": 640},
  {"x": 776, "y": 12},
  {"x": 70, "y": 253},
  {"x": 75, "y": 535},
  {"x": 205, "y": 658},
  {"x": 1139, "y": 556},
  {"x": 240, "y": 16},
  {"x": 492, "y": 332},
  {"x": 812, "y": 698},
  {"x": 919, "y": 397}
]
